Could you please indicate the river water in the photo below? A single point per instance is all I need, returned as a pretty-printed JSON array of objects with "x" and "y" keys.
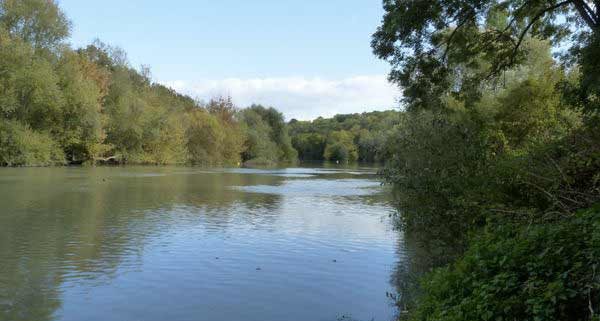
[{"x": 175, "y": 243}]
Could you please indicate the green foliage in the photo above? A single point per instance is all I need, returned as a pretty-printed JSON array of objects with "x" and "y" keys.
[
  {"x": 81, "y": 126},
  {"x": 370, "y": 145},
  {"x": 514, "y": 272},
  {"x": 369, "y": 133},
  {"x": 90, "y": 105},
  {"x": 310, "y": 146},
  {"x": 279, "y": 131},
  {"x": 503, "y": 162},
  {"x": 554, "y": 179},
  {"x": 57, "y": 98},
  {"x": 267, "y": 138},
  {"x": 458, "y": 163},
  {"x": 39, "y": 22},
  {"x": 258, "y": 145},
  {"x": 440, "y": 164},
  {"x": 141, "y": 128},
  {"x": 22, "y": 146},
  {"x": 589, "y": 91},
  {"x": 205, "y": 138},
  {"x": 441, "y": 46},
  {"x": 233, "y": 129},
  {"x": 340, "y": 147}
]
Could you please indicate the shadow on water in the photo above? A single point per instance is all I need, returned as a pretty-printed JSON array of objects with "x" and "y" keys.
[{"x": 421, "y": 249}]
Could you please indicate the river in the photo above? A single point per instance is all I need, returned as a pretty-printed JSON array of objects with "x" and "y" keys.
[{"x": 176, "y": 243}]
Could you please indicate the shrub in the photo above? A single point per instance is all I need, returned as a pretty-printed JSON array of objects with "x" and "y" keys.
[
  {"x": 554, "y": 179},
  {"x": 546, "y": 271},
  {"x": 440, "y": 165},
  {"x": 21, "y": 146}
]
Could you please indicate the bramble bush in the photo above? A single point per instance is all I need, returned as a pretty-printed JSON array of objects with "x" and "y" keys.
[{"x": 545, "y": 271}]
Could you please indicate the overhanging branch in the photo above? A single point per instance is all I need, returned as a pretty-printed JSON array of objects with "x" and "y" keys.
[
  {"x": 534, "y": 19},
  {"x": 586, "y": 13},
  {"x": 449, "y": 41}
]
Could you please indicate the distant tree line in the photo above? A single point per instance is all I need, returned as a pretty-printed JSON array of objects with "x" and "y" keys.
[{"x": 345, "y": 138}]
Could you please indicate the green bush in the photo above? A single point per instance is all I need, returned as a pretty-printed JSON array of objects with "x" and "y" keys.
[
  {"x": 21, "y": 146},
  {"x": 440, "y": 164},
  {"x": 554, "y": 179},
  {"x": 546, "y": 271}
]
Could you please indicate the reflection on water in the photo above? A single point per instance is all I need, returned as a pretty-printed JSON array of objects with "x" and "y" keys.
[
  {"x": 147, "y": 243},
  {"x": 421, "y": 249}
]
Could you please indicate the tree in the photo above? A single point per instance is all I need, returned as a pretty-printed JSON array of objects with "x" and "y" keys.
[
  {"x": 370, "y": 145},
  {"x": 369, "y": 131},
  {"x": 430, "y": 43},
  {"x": 80, "y": 132},
  {"x": 341, "y": 147},
  {"x": 278, "y": 133},
  {"x": 22, "y": 146},
  {"x": 38, "y": 22},
  {"x": 104, "y": 55},
  {"x": 223, "y": 108},
  {"x": 310, "y": 146},
  {"x": 258, "y": 146},
  {"x": 29, "y": 85},
  {"x": 205, "y": 138}
]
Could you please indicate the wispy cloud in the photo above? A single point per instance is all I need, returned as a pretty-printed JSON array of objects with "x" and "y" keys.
[{"x": 298, "y": 97}]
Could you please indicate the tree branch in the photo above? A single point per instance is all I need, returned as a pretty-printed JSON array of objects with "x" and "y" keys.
[
  {"x": 583, "y": 8},
  {"x": 458, "y": 26},
  {"x": 591, "y": 12},
  {"x": 515, "y": 15},
  {"x": 534, "y": 20}
]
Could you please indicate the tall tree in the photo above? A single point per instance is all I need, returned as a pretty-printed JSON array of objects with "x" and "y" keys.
[
  {"x": 39, "y": 22},
  {"x": 432, "y": 45}
]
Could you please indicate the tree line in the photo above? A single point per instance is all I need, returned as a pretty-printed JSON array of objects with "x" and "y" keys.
[
  {"x": 344, "y": 138},
  {"x": 497, "y": 155},
  {"x": 60, "y": 105}
]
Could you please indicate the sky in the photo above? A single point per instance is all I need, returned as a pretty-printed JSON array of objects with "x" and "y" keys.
[{"x": 307, "y": 58}]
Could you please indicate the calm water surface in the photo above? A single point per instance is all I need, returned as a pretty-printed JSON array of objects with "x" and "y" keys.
[{"x": 153, "y": 243}]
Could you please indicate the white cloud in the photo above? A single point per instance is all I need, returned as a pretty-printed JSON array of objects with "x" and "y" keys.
[{"x": 298, "y": 97}]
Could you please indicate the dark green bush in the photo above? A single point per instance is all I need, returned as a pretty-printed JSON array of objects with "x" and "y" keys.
[
  {"x": 546, "y": 271},
  {"x": 553, "y": 180}
]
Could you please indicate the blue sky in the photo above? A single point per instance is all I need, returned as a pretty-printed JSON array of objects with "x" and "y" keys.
[{"x": 308, "y": 58}]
